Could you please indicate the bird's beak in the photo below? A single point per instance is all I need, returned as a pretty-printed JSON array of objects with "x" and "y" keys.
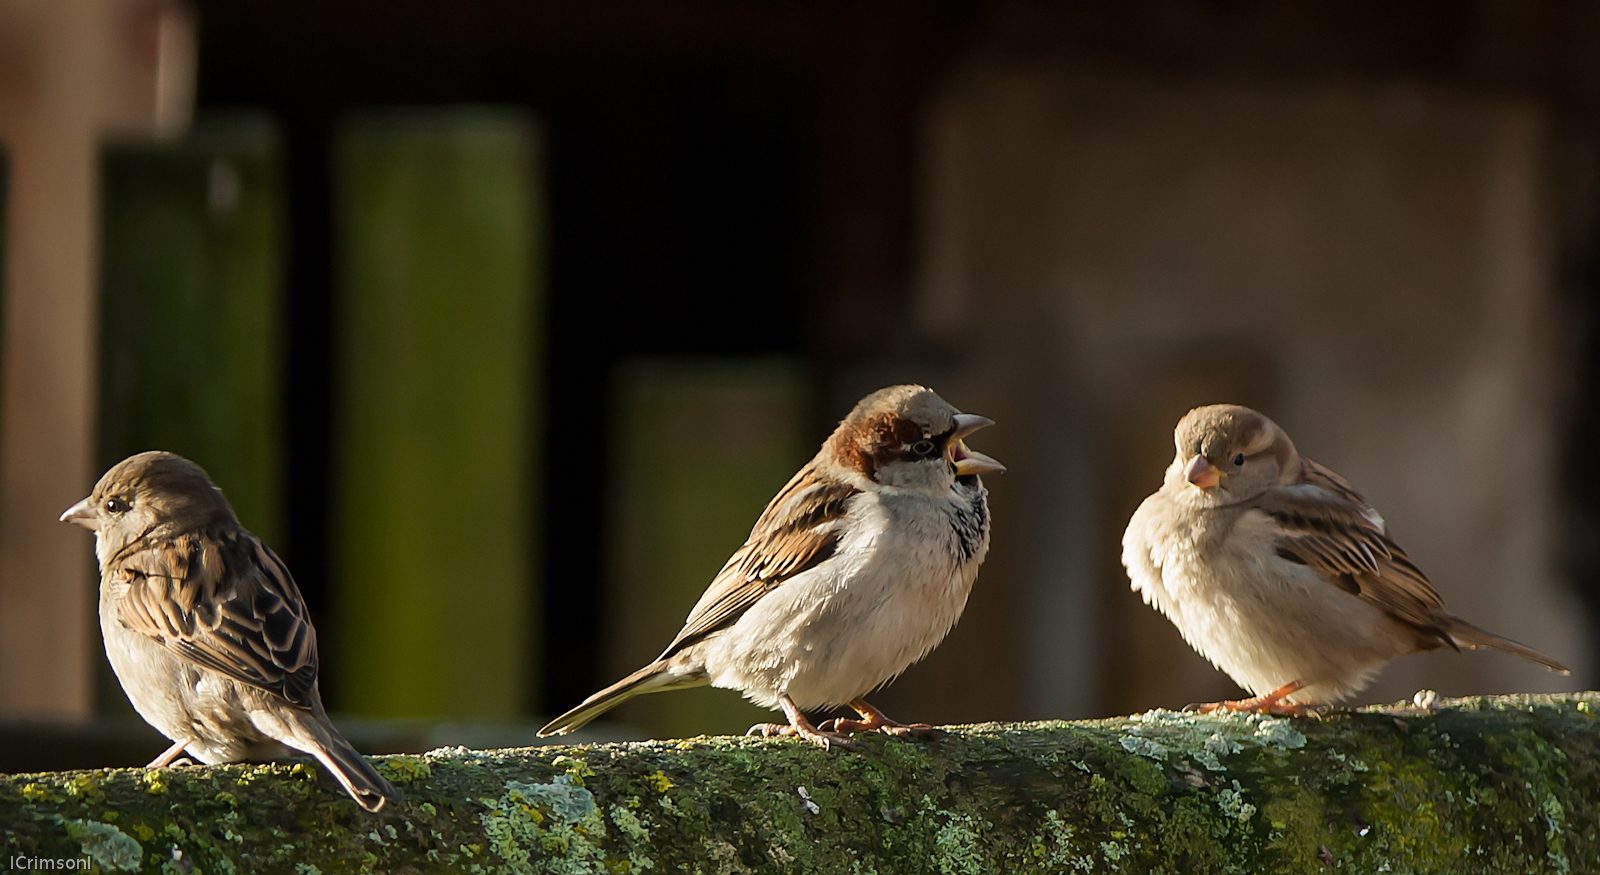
[
  {"x": 1202, "y": 473},
  {"x": 81, "y": 513},
  {"x": 967, "y": 423},
  {"x": 969, "y": 461},
  {"x": 973, "y": 462}
]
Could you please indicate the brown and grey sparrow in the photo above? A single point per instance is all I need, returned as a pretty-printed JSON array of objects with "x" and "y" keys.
[
  {"x": 204, "y": 626},
  {"x": 857, "y": 569},
  {"x": 1277, "y": 571}
]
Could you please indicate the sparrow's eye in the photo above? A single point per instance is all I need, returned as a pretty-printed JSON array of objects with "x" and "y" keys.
[
  {"x": 1238, "y": 459},
  {"x": 922, "y": 448},
  {"x": 116, "y": 505}
]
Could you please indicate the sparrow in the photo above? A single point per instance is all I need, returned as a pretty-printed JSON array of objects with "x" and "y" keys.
[
  {"x": 205, "y": 628},
  {"x": 1277, "y": 571},
  {"x": 856, "y": 569}
]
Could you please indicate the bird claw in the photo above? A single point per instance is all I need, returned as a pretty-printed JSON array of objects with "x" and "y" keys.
[
  {"x": 823, "y": 737},
  {"x": 827, "y": 739},
  {"x": 916, "y": 730},
  {"x": 1257, "y": 705},
  {"x": 888, "y": 727},
  {"x": 1269, "y": 703}
]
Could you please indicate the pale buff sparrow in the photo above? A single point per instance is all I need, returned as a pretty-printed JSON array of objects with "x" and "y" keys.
[
  {"x": 205, "y": 628},
  {"x": 857, "y": 569},
  {"x": 1277, "y": 571}
]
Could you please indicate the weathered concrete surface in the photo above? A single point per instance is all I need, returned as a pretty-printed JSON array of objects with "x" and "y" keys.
[{"x": 1507, "y": 784}]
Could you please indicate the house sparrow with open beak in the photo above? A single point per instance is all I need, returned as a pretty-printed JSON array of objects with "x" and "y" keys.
[
  {"x": 1277, "y": 571},
  {"x": 204, "y": 626},
  {"x": 857, "y": 569}
]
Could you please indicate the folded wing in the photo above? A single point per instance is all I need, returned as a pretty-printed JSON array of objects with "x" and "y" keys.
[
  {"x": 798, "y": 530},
  {"x": 226, "y": 602},
  {"x": 1329, "y": 527}
]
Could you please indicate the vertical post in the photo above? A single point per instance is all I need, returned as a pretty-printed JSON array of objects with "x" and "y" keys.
[
  {"x": 191, "y": 293},
  {"x": 5, "y": 182},
  {"x": 74, "y": 70},
  {"x": 191, "y": 288},
  {"x": 700, "y": 447},
  {"x": 437, "y": 332},
  {"x": 46, "y": 424}
]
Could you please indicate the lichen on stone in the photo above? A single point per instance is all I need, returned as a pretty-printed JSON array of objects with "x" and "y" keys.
[
  {"x": 110, "y": 848},
  {"x": 402, "y": 770},
  {"x": 553, "y": 827},
  {"x": 1278, "y": 733},
  {"x": 1144, "y": 747},
  {"x": 1233, "y": 804},
  {"x": 34, "y": 792},
  {"x": 1507, "y": 785}
]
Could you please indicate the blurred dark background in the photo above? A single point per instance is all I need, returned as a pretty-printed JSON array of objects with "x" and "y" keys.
[{"x": 518, "y": 312}]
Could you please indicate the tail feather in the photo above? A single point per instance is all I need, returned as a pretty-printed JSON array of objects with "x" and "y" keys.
[
  {"x": 357, "y": 776},
  {"x": 653, "y": 678},
  {"x": 315, "y": 734},
  {"x": 1466, "y": 636}
]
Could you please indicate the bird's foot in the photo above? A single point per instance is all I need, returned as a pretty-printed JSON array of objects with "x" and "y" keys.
[
  {"x": 1253, "y": 706},
  {"x": 825, "y": 738},
  {"x": 898, "y": 730},
  {"x": 872, "y": 718},
  {"x": 172, "y": 756},
  {"x": 1271, "y": 703},
  {"x": 799, "y": 725}
]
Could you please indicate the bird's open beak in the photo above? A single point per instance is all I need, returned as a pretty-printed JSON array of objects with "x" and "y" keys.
[
  {"x": 973, "y": 462},
  {"x": 969, "y": 461},
  {"x": 967, "y": 423},
  {"x": 1202, "y": 473},
  {"x": 81, "y": 513}
]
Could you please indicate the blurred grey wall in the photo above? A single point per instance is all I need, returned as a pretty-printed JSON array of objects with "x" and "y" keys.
[{"x": 1372, "y": 265}]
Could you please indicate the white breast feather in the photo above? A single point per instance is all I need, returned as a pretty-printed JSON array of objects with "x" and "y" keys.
[
  {"x": 891, "y": 591},
  {"x": 1262, "y": 619}
]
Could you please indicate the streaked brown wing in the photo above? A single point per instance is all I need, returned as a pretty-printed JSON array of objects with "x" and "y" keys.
[
  {"x": 798, "y": 530},
  {"x": 227, "y": 602},
  {"x": 1317, "y": 475},
  {"x": 1328, "y": 527}
]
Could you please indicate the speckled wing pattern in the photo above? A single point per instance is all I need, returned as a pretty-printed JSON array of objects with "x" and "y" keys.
[
  {"x": 1328, "y": 526},
  {"x": 226, "y": 602},
  {"x": 798, "y": 530}
]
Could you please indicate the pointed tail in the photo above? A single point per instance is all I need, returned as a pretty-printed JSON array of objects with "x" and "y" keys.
[
  {"x": 315, "y": 734},
  {"x": 1469, "y": 637},
  {"x": 653, "y": 678},
  {"x": 357, "y": 776}
]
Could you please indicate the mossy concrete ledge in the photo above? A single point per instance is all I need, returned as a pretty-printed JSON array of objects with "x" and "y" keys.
[{"x": 1504, "y": 784}]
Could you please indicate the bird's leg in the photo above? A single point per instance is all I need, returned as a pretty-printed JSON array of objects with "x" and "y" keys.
[
  {"x": 168, "y": 756},
  {"x": 799, "y": 725},
  {"x": 1271, "y": 703},
  {"x": 872, "y": 718}
]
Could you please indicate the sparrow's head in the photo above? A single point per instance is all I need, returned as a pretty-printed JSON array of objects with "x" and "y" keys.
[
  {"x": 147, "y": 492},
  {"x": 1228, "y": 453},
  {"x": 910, "y": 438}
]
